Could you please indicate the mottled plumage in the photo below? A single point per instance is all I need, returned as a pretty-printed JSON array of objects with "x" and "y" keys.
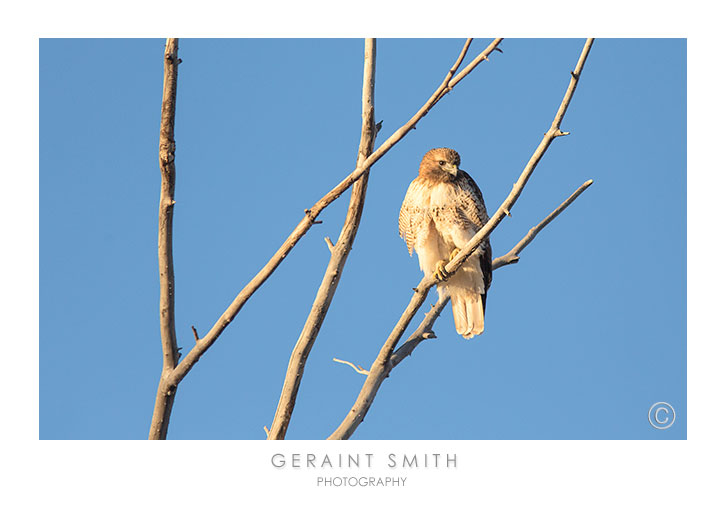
[{"x": 441, "y": 212}]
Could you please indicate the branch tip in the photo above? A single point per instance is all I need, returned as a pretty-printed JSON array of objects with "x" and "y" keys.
[
  {"x": 330, "y": 244},
  {"x": 357, "y": 368},
  {"x": 196, "y": 336}
]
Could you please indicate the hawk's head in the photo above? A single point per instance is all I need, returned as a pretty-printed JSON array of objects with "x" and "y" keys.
[{"x": 440, "y": 164}]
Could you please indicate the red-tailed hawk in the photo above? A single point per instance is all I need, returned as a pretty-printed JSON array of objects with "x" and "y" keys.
[{"x": 441, "y": 212}]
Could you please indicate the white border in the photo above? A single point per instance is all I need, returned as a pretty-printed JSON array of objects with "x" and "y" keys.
[{"x": 235, "y": 473}]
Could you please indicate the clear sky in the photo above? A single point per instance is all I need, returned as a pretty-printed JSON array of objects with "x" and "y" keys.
[{"x": 582, "y": 337}]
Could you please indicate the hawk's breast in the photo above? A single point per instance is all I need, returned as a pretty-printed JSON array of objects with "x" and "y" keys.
[{"x": 444, "y": 211}]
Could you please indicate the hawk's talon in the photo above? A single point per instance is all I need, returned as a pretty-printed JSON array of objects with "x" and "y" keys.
[
  {"x": 440, "y": 273},
  {"x": 454, "y": 254}
]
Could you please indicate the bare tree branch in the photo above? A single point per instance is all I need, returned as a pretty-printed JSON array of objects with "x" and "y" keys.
[
  {"x": 181, "y": 370},
  {"x": 423, "y": 332},
  {"x": 381, "y": 366},
  {"x": 512, "y": 256},
  {"x": 339, "y": 254},
  {"x": 167, "y": 148}
]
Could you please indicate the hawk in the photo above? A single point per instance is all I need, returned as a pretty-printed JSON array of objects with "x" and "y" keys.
[{"x": 443, "y": 209}]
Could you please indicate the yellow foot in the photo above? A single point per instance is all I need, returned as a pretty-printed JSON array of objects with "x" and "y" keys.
[
  {"x": 440, "y": 273},
  {"x": 454, "y": 254}
]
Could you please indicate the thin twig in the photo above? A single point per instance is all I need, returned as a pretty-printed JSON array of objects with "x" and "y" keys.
[
  {"x": 381, "y": 365},
  {"x": 483, "y": 56},
  {"x": 339, "y": 255},
  {"x": 356, "y": 367},
  {"x": 196, "y": 335},
  {"x": 457, "y": 63},
  {"x": 167, "y": 147}
]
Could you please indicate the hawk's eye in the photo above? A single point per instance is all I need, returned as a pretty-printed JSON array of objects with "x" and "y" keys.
[{"x": 441, "y": 162}]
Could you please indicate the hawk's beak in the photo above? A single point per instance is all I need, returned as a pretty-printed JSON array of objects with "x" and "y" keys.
[{"x": 452, "y": 169}]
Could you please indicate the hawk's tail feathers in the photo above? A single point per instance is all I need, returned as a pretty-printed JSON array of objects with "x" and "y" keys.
[{"x": 468, "y": 308}]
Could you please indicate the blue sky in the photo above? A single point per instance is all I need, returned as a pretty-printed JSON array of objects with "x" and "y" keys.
[{"x": 582, "y": 336}]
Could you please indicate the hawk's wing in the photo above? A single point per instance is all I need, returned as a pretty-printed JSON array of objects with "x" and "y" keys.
[
  {"x": 471, "y": 208},
  {"x": 471, "y": 203},
  {"x": 413, "y": 215}
]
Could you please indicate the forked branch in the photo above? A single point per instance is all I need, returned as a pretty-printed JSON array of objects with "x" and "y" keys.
[{"x": 512, "y": 256}]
